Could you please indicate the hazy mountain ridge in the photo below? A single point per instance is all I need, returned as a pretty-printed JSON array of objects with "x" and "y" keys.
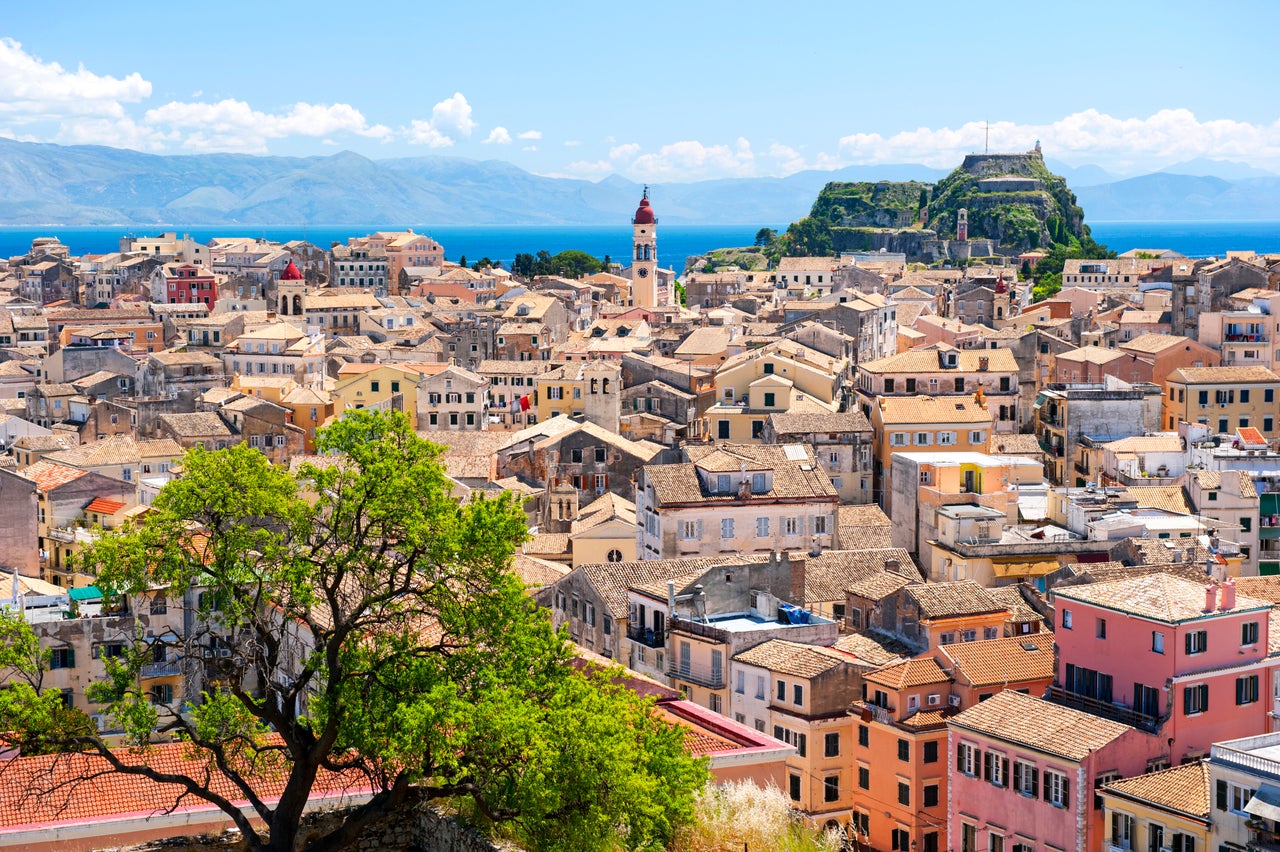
[{"x": 92, "y": 185}]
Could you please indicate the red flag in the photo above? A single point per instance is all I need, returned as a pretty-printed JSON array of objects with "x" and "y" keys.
[{"x": 524, "y": 403}]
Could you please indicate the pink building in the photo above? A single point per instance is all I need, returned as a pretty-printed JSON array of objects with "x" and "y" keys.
[
  {"x": 1023, "y": 770},
  {"x": 1171, "y": 656}
]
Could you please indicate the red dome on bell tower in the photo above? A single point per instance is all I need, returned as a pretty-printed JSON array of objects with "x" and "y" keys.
[
  {"x": 291, "y": 273},
  {"x": 644, "y": 213}
]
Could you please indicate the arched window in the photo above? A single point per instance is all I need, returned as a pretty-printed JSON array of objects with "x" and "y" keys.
[{"x": 614, "y": 556}]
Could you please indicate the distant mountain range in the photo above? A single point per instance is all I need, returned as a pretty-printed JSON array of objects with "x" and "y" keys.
[{"x": 43, "y": 184}]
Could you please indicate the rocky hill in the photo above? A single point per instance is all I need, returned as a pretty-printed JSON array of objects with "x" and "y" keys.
[{"x": 1013, "y": 203}]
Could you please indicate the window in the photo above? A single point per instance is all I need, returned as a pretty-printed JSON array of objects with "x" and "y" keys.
[
  {"x": 922, "y": 439},
  {"x": 977, "y": 437},
  {"x": 758, "y": 483},
  {"x": 1230, "y": 797},
  {"x": 931, "y": 795},
  {"x": 888, "y": 385},
  {"x": 904, "y": 793},
  {"x": 1101, "y": 628},
  {"x": 831, "y": 745},
  {"x": 831, "y": 788},
  {"x": 769, "y": 400},
  {"x": 1197, "y": 642},
  {"x": 1184, "y": 843},
  {"x": 898, "y": 439},
  {"x": 1249, "y": 633},
  {"x": 968, "y": 635},
  {"x": 1088, "y": 682},
  {"x": 760, "y": 687},
  {"x": 968, "y": 837},
  {"x": 62, "y": 658},
  {"x": 1056, "y": 788},
  {"x": 689, "y": 530},
  {"x": 967, "y": 760},
  {"x": 946, "y": 438},
  {"x": 1066, "y": 619},
  {"x": 930, "y": 752},
  {"x": 864, "y": 777},
  {"x": 790, "y": 526},
  {"x": 1195, "y": 699},
  {"x": 1247, "y": 689},
  {"x": 782, "y": 691},
  {"x": 726, "y": 527},
  {"x": 1121, "y": 830},
  {"x": 861, "y": 821},
  {"x": 864, "y": 736},
  {"x": 375, "y": 386},
  {"x": 797, "y": 695},
  {"x": 1157, "y": 641},
  {"x": 995, "y": 769},
  {"x": 901, "y": 840},
  {"x": 1026, "y": 779},
  {"x": 762, "y": 527},
  {"x": 794, "y": 787}
]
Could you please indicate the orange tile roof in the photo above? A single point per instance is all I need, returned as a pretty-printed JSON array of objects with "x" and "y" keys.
[
  {"x": 44, "y": 790},
  {"x": 1013, "y": 659},
  {"x": 103, "y": 506},
  {"x": 48, "y": 475},
  {"x": 1042, "y": 725},
  {"x": 917, "y": 672},
  {"x": 1184, "y": 789}
]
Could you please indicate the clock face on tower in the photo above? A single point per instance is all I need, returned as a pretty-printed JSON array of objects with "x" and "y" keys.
[{"x": 643, "y": 272}]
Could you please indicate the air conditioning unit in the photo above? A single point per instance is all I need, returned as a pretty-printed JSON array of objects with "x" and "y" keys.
[
  {"x": 953, "y": 700},
  {"x": 934, "y": 699}
]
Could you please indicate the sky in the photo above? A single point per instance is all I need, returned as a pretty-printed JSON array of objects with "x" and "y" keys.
[{"x": 658, "y": 91}]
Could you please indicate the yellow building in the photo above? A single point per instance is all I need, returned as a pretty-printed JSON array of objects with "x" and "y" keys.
[
  {"x": 1223, "y": 398},
  {"x": 924, "y": 424},
  {"x": 590, "y": 389},
  {"x": 1168, "y": 809},
  {"x": 311, "y": 407},
  {"x": 781, "y": 376},
  {"x": 376, "y": 385}
]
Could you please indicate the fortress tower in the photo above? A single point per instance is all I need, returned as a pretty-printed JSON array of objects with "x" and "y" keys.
[{"x": 644, "y": 256}]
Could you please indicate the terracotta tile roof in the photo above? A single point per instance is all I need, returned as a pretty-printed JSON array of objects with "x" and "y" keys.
[
  {"x": 537, "y": 572},
  {"x": 104, "y": 506},
  {"x": 1262, "y": 588},
  {"x": 1162, "y": 597},
  {"x": 1023, "y": 658},
  {"x": 612, "y": 579},
  {"x": 793, "y": 658},
  {"x": 875, "y": 648},
  {"x": 1165, "y": 443},
  {"x": 929, "y": 360},
  {"x": 1154, "y": 343},
  {"x": 120, "y": 449},
  {"x": 827, "y": 575},
  {"x": 1017, "y": 444},
  {"x": 925, "y": 719},
  {"x": 1010, "y": 597},
  {"x": 920, "y": 671},
  {"x": 1184, "y": 789},
  {"x": 1273, "y": 633},
  {"x": 546, "y": 544},
  {"x": 1039, "y": 724},
  {"x": 875, "y": 587},
  {"x": 912, "y": 410},
  {"x": 863, "y": 527},
  {"x": 196, "y": 424},
  {"x": 48, "y": 475},
  {"x": 105, "y": 794},
  {"x": 1092, "y": 355},
  {"x": 1171, "y": 498},
  {"x": 793, "y": 479},
  {"x": 953, "y": 599},
  {"x": 1222, "y": 375},
  {"x": 792, "y": 423}
]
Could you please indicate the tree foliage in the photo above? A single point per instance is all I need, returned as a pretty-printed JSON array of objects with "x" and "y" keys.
[
  {"x": 809, "y": 237},
  {"x": 569, "y": 263},
  {"x": 1048, "y": 271},
  {"x": 376, "y": 630}
]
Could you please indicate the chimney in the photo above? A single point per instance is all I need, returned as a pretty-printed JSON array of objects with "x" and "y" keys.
[
  {"x": 892, "y": 566},
  {"x": 1228, "y": 595},
  {"x": 983, "y": 362},
  {"x": 1210, "y": 598},
  {"x": 797, "y": 581},
  {"x": 671, "y": 599}
]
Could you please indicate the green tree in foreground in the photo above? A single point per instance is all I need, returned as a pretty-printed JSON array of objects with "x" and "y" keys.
[
  {"x": 376, "y": 630},
  {"x": 809, "y": 237}
]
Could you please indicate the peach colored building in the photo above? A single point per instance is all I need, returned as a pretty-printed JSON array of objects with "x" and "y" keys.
[
  {"x": 1165, "y": 353},
  {"x": 1176, "y": 658},
  {"x": 1024, "y": 770}
]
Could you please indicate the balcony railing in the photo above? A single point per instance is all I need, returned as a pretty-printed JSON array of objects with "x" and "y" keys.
[
  {"x": 708, "y": 676},
  {"x": 647, "y": 636},
  {"x": 697, "y": 628},
  {"x": 1115, "y": 712},
  {"x": 168, "y": 668},
  {"x": 1263, "y": 840}
]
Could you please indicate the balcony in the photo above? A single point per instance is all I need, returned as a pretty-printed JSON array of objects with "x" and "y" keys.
[
  {"x": 1262, "y": 839},
  {"x": 703, "y": 675},
  {"x": 647, "y": 636},
  {"x": 168, "y": 668},
  {"x": 697, "y": 628},
  {"x": 1115, "y": 712}
]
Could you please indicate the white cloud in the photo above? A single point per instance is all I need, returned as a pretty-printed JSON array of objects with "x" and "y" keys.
[
  {"x": 692, "y": 160},
  {"x": 625, "y": 151},
  {"x": 530, "y": 134},
  {"x": 529, "y": 148},
  {"x": 498, "y": 136},
  {"x": 233, "y": 125},
  {"x": 1090, "y": 136},
  {"x": 32, "y": 89},
  {"x": 451, "y": 117},
  {"x": 572, "y": 143}
]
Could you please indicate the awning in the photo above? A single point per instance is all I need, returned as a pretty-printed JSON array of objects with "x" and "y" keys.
[
  {"x": 1024, "y": 569},
  {"x": 1265, "y": 803},
  {"x": 85, "y": 593}
]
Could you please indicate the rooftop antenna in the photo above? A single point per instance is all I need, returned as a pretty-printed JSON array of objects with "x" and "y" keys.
[{"x": 986, "y": 143}]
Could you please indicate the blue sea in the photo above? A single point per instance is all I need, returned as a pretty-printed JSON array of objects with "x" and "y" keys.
[
  {"x": 496, "y": 242},
  {"x": 675, "y": 242}
]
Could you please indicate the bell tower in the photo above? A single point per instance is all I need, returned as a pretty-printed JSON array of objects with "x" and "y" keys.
[{"x": 644, "y": 255}]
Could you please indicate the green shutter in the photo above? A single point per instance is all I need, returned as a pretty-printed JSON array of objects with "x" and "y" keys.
[{"x": 1222, "y": 795}]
